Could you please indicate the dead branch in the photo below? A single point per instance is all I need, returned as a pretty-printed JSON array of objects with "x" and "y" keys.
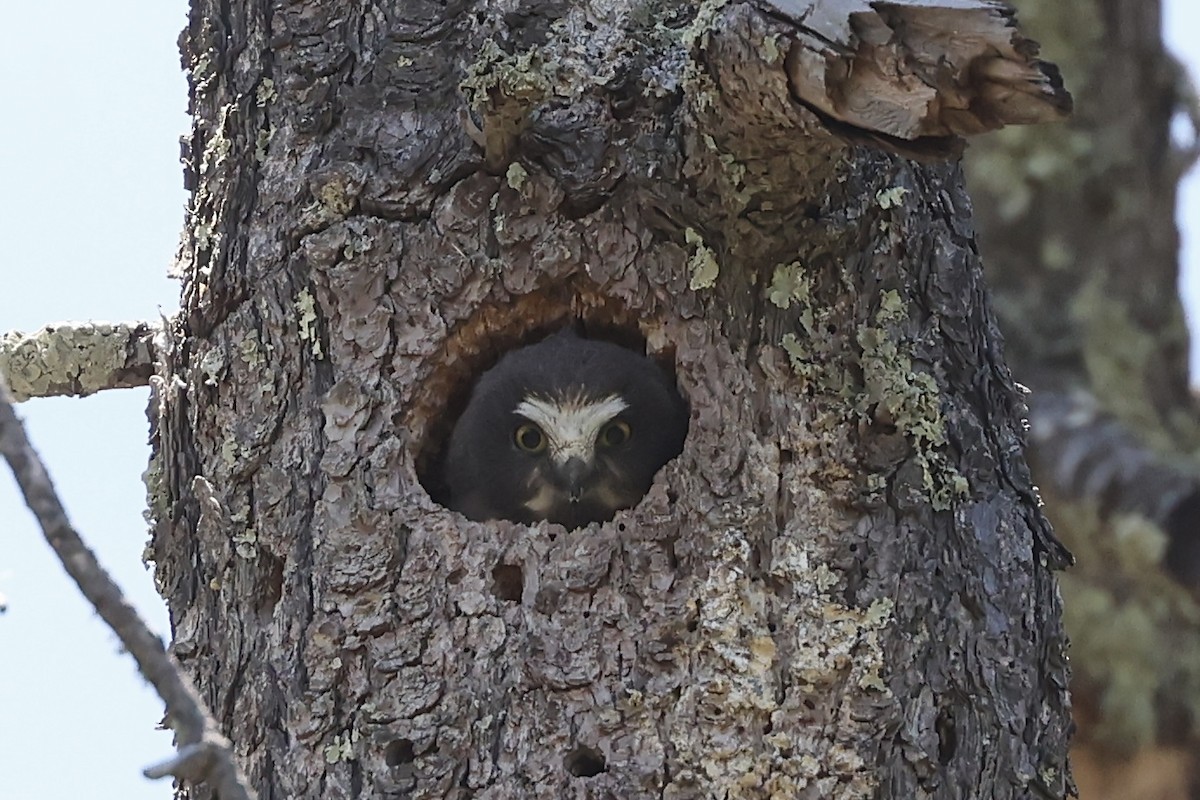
[{"x": 78, "y": 358}]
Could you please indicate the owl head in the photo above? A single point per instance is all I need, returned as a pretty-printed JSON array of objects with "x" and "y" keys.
[{"x": 569, "y": 430}]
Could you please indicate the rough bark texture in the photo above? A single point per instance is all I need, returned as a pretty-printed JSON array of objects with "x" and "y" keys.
[
  {"x": 1081, "y": 246},
  {"x": 841, "y": 589}
]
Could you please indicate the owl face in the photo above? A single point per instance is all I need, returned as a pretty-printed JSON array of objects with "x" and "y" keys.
[{"x": 567, "y": 430}]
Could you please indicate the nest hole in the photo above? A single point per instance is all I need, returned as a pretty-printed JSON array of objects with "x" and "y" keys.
[{"x": 479, "y": 344}]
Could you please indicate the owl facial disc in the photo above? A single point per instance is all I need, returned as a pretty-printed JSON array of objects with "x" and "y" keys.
[{"x": 571, "y": 425}]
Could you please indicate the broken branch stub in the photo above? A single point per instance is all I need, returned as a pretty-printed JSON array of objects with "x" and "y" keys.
[{"x": 915, "y": 69}]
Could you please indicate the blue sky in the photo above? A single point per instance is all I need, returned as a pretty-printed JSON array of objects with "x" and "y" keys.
[
  {"x": 89, "y": 216},
  {"x": 93, "y": 112}
]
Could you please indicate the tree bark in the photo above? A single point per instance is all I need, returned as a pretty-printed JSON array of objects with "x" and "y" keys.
[
  {"x": 1079, "y": 235},
  {"x": 841, "y": 588}
]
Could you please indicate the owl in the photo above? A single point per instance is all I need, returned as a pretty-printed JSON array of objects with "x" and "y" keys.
[{"x": 568, "y": 430}]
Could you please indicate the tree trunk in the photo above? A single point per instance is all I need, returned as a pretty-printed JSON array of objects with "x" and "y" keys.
[
  {"x": 842, "y": 588},
  {"x": 1079, "y": 236}
]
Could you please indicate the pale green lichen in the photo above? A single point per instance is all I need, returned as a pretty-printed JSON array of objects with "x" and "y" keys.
[
  {"x": 337, "y": 192},
  {"x": 212, "y": 366},
  {"x": 67, "y": 358},
  {"x": 358, "y": 240},
  {"x": 306, "y": 309},
  {"x": 516, "y": 175},
  {"x": 769, "y": 49},
  {"x": 891, "y": 198},
  {"x": 245, "y": 543},
  {"x": 879, "y": 613},
  {"x": 229, "y": 452},
  {"x": 341, "y": 748},
  {"x": 265, "y": 92},
  {"x": 201, "y": 69},
  {"x": 262, "y": 143},
  {"x": 870, "y": 663},
  {"x": 797, "y": 354},
  {"x": 703, "y": 264},
  {"x": 503, "y": 88},
  {"x": 203, "y": 234},
  {"x": 790, "y": 283},
  {"x": 910, "y": 398},
  {"x": 219, "y": 145},
  {"x": 253, "y": 354},
  {"x": 511, "y": 75},
  {"x": 824, "y": 578},
  {"x": 702, "y": 24},
  {"x": 732, "y": 171},
  {"x": 844, "y": 641},
  {"x": 251, "y": 351}
]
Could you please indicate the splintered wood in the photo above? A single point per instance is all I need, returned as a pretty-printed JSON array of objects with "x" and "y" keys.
[{"x": 919, "y": 68}]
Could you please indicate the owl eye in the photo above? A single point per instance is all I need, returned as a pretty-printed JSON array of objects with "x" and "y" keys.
[
  {"x": 530, "y": 438},
  {"x": 615, "y": 433}
]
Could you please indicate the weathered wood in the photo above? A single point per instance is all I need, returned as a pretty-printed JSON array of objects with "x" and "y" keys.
[
  {"x": 841, "y": 588},
  {"x": 919, "y": 68}
]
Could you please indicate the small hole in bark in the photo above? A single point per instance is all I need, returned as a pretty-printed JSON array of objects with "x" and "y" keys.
[
  {"x": 584, "y": 762},
  {"x": 399, "y": 752},
  {"x": 456, "y": 576},
  {"x": 947, "y": 738},
  {"x": 810, "y": 705},
  {"x": 507, "y": 582},
  {"x": 621, "y": 527}
]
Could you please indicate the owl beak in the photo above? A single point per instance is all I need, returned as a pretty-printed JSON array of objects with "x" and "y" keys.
[{"x": 574, "y": 473}]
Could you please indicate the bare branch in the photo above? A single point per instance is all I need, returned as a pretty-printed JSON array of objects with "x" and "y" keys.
[
  {"x": 78, "y": 358},
  {"x": 194, "y": 726}
]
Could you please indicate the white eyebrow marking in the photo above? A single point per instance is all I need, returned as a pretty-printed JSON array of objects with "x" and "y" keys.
[{"x": 571, "y": 425}]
